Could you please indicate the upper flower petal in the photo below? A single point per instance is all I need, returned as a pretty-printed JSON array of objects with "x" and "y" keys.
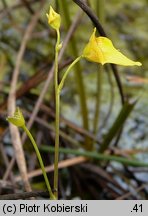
[{"x": 101, "y": 50}]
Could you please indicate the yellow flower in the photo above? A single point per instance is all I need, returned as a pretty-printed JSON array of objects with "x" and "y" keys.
[
  {"x": 17, "y": 119},
  {"x": 54, "y": 19},
  {"x": 101, "y": 50}
]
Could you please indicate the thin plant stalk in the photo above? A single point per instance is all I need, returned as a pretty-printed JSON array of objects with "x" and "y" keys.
[
  {"x": 98, "y": 101},
  {"x": 99, "y": 6},
  {"x": 40, "y": 161},
  {"x": 57, "y": 107},
  {"x": 98, "y": 156},
  {"x": 67, "y": 72},
  {"x": 58, "y": 88},
  {"x": 100, "y": 9},
  {"x": 78, "y": 75}
]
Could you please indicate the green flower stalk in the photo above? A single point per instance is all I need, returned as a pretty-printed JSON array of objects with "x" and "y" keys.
[
  {"x": 57, "y": 104},
  {"x": 54, "y": 21},
  {"x": 18, "y": 120}
]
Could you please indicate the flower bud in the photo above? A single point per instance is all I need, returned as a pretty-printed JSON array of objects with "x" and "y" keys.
[
  {"x": 54, "y": 19},
  {"x": 17, "y": 119}
]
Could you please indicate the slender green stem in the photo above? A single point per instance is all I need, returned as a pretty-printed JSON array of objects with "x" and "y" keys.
[
  {"x": 77, "y": 73},
  {"x": 56, "y": 157},
  {"x": 67, "y": 72},
  {"x": 98, "y": 101},
  {"x": 99, "y": 7},
  {"x": 40, "y": 161},
  {"x": 57, "y": 106},
  {"x": 58, "y": 88},
  {"x": 98, "y": 156}
]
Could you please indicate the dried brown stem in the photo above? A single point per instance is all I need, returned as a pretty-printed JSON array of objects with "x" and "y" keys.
[
  {"x": 127, "y": 195},
  {"x": 62, "y": 164}
]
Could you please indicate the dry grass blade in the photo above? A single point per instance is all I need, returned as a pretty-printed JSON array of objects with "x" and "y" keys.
[
  {"x": 127, "y": 195},
  {"x": 62, "y": 164}
]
